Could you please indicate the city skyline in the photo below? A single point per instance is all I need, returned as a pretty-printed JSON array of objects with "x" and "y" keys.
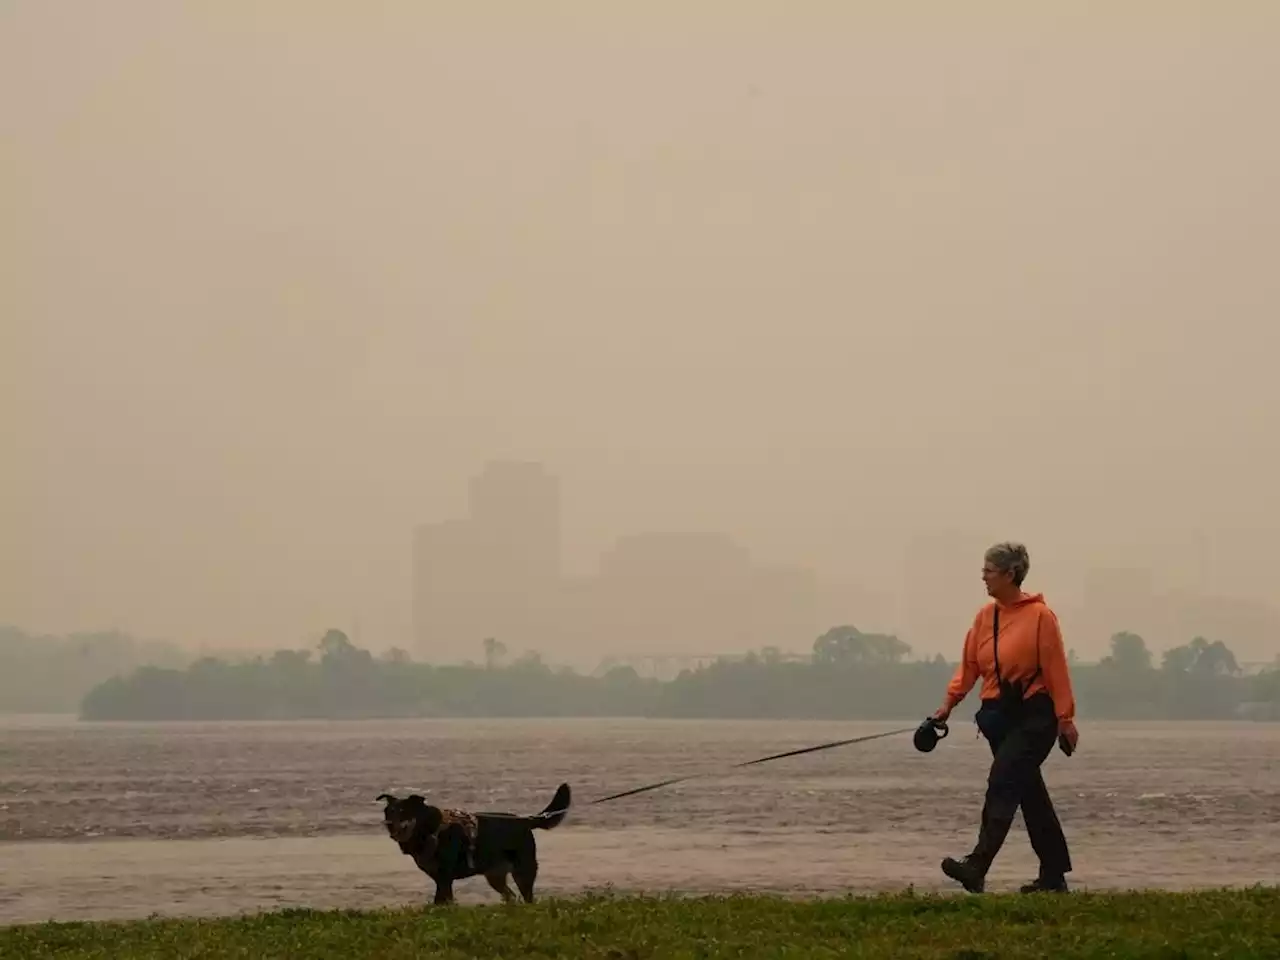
[
  {"x": 662, "y": 592},
  {"x": 658, "y": 591}
]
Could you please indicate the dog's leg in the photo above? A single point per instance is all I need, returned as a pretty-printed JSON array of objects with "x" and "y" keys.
[
  {"x": 525, "y": 872},
  {"x": 498, "y": 880},
  {"x": 451, "y": 863},
  {"x": 444, "y": 888}
]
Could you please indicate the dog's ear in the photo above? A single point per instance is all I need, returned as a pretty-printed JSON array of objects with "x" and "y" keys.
[
  {"x": 389, "y": 797},
  {"x": 416, "y": 800}
]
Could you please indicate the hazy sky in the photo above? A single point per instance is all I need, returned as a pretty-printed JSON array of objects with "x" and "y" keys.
[{"x": 276, "y": 278}]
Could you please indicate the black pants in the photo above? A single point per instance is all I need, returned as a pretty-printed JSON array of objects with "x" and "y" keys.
[{"x": 1021, "y": 740}]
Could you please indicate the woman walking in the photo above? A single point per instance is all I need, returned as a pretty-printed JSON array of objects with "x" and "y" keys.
[{"x": 1015, "y": 646}]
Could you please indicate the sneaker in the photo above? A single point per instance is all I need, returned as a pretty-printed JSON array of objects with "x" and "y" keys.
[
  {"x": 965, "y": 872},
  {"x": 1046, "y": 885}
]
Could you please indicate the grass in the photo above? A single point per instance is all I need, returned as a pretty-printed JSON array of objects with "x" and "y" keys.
[{"x": 1237, "y": 924}]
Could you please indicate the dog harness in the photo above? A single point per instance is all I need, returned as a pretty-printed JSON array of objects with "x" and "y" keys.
[{"x": 470, "y": 827}]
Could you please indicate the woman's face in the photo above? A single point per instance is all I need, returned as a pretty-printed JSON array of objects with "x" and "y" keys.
[{"x": 996, "y": 580}]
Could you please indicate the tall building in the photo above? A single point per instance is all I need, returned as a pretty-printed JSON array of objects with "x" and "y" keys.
[
  {"x": 494, "y": 573},
  {"x": 514, "y": 510}
]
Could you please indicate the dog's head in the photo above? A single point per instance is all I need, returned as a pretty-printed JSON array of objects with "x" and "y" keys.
[{"x": 402, "y": 816}]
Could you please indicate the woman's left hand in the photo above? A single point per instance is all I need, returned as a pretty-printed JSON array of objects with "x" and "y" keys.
[{"x": 1068, "y": 737}]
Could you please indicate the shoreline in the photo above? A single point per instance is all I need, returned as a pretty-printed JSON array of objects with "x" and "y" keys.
[{"x": 132, "y": 879}]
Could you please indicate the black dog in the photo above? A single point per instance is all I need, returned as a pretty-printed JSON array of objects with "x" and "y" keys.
[{"x": 449, "y": 845}]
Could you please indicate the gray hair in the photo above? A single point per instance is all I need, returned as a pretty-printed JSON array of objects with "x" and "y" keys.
[{"x": 1011, "y": 558}]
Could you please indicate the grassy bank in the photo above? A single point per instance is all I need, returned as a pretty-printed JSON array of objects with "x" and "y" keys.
[{"x": 1236, "y": 924}]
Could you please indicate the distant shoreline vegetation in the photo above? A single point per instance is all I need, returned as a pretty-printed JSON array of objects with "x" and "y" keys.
[{"x": 850, "y": 675}]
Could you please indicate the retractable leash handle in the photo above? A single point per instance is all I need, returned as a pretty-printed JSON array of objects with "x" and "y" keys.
[{"x": 930, "y": 731}]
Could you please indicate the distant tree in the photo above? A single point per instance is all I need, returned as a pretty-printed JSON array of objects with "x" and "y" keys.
[
  {"x": 622, "y": 675},
  {"x": 335, "y": 645},
  {"x": 1216, "y": 658},
  {"x": 849, "y": 645},
  {"x": 343, "y": 662},
  {"x": 1129, "y": 653},
  {"x": 531, "y": 661},
  {"x": 51, "y": 674},
  {"x": 494, "y": 651},
  {"x": 1178, "y": 659},
  {"x": 1265, "y": 686},
  {"x": 1201, "y": 657}
]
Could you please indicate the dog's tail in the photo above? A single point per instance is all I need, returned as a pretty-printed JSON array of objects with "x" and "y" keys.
[{"x": 555, "y": 812}]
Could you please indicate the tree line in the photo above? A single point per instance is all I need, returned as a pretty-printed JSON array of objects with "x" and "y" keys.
[
  {"x": 51, "y": 674},
  {"x": 849, "y": 675}
]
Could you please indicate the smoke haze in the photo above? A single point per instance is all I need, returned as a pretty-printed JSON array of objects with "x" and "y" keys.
[{"x": 841, "y": 284}]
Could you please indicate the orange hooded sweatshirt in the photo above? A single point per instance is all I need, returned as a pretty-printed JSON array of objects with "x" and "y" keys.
[{"x": 1029, "y": 637}]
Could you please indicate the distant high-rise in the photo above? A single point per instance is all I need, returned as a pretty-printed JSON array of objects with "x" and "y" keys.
[
  {"x": 515, "y": 511},
  {"x": 494, "y": 573}
]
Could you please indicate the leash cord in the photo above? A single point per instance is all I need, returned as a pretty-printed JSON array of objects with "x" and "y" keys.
[{"x": 746, "y": 763}]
